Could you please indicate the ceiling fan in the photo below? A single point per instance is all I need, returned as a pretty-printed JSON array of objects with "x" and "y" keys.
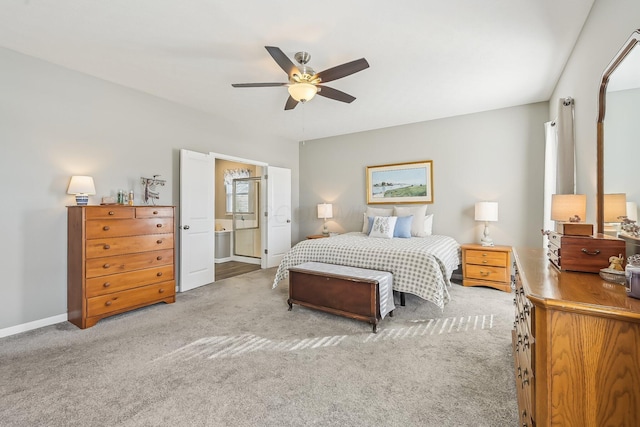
[{"x": 304, "y": 82}]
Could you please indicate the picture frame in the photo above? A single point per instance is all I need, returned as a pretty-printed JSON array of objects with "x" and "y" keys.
[{"x": 400, "y": 183}]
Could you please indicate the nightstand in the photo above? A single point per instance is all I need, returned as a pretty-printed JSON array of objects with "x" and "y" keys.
[
  {"x": 486, "y": 266},
  {"x": 317, "y": 236}
]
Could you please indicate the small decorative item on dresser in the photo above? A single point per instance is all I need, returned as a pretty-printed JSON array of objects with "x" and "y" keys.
[
  {"x": 486, "y": 266},
  {"x": 150, "y": 184},
  {"x": 632, "y": 276}
]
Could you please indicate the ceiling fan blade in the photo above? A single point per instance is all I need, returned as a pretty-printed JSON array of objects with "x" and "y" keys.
[
  {"x": 257, "y": 84},
  {"x": 291, "y": 103},
  {"x": 283, "y": 60},
  {"x": 338, "y": 95},
  {"x": 343, "y": 70}
]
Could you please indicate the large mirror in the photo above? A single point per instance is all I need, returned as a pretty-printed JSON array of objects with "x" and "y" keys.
[{"x": 618, "y": 136}]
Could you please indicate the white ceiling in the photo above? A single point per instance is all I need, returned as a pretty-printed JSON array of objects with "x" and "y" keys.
[{"x": 428, "y": 58}]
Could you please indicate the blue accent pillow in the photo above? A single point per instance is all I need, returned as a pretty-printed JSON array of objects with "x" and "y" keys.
[
  {"x": 403, "y": 227},
  {"x": 370, "y": 225}
]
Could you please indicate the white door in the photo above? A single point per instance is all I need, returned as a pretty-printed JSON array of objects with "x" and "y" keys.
[
  {"x": 197, "y": 175},
  {"x": 278, "y": 215}
]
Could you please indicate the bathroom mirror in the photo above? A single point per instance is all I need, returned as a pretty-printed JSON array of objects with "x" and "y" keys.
[{"x": 618, "y": 161}]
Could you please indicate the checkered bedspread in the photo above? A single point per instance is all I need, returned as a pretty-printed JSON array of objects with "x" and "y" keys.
[{"x": 421, "y": 266}]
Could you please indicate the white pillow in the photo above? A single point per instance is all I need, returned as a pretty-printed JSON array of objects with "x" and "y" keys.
[
  {"x": 428, "y": 225},
  {"x": 383, "y": 226},
  {"x": 374, "y": 212},
  {"x": 418, "y": 212}
]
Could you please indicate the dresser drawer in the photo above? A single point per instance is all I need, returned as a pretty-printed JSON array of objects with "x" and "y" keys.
[
  {"x": 109, "y": 212},
  {"x": 96, "y": 267},
  {"x": 97, "y": 248},
  {"x": 133, "y": 279},
  {"x": 98, "y": 229},
  {"x": 588, "y": 254},
  {"x": 485, "y": 272},
  {"x": 154, "y": 212},
  {"x": 124, "y": 300},
  {"x": 498, "y": 259}
]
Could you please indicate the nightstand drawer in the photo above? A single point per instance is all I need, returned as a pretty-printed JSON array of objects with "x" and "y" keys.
[
  {"x": 485, "y": 272},
  {"x": 498, "y": 259}
]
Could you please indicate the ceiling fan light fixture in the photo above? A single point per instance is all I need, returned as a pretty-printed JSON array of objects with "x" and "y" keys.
[{"x": 302, "y": 92}]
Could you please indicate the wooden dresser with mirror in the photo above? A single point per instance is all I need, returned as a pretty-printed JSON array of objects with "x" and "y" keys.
[{"x": 576, "y": 347}]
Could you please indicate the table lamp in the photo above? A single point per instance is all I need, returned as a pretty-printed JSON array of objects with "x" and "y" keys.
[
  {"x": 569, "y": 212},
  {"x": 487, "y": 212},
  {"x": 325, "y": 210},
  {"x": 82, "y": 187}
]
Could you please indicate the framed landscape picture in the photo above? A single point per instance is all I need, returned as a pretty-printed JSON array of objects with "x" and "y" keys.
[{"x": 400, "y": 183}]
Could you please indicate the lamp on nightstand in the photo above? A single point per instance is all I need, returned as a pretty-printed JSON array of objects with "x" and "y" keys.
[
  {"x": 325, "y": 210},
  {"x": 487, "y": 212}
]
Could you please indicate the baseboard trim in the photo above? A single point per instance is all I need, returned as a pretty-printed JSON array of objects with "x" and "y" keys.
[{"x": 29, "y": 326}]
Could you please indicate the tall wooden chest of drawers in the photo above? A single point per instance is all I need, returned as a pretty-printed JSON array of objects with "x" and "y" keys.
[
  {"x": 576, "y": 347},
  {"x": 119, "y": 258}
]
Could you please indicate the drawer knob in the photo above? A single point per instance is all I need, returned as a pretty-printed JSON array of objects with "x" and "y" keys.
[
  {"x": 106, "y": 284},
  {"x": 586, "y": 251},
  {"x": 161, "y": 290},
  {"x": 155, "y": 212},
  {"x": 108, "y": 303},
  {"x": 159, "y": 273},
  {"x": 159, "y": 225},
  {"x": 107, "y": 247},
  {"x": 159, "y": 258},
  {"x": 106, "y": 266},
  {"x": 484, "y": 273},
  {"x": 159, "y": 241},
  {"x": 106, "y": 228},
  {"x": 112, "y": 213}
]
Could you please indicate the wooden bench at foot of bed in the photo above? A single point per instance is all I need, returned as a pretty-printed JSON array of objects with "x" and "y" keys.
[{"x": 356, "y": 293}]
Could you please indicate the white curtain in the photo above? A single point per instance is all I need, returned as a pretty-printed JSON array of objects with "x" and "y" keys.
[
  {"x": 550, "y": 169},
  {"x": 566, "y": 157},
  {"x": 559, "y": 159}
]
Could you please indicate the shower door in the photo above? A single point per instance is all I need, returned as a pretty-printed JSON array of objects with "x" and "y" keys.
[{"x": 246, "y": 218}]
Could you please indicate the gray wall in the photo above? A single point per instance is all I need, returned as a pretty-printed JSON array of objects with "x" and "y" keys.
[
  {"x": 496, "y": 156},
  {"x": 622, "y": 148},
  {"x": 607, "y": 28},
  {"x": 55, "y": 123}
]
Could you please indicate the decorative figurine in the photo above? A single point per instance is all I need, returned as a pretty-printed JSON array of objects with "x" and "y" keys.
[
  {"x": 150, "y": 185},
  {"x": 616, "y": 262}
]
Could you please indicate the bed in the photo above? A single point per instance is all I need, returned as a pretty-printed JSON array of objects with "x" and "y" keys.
[{"x": 421, "y": 266}]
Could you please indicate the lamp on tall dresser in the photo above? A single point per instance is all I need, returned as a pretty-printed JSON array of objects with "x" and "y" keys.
[
  {"x": 325, "y": 210},
  {"x": 82, "y": 187},
  {"x": 569, "y": 212},
  {"x": 487, "y": 212}
]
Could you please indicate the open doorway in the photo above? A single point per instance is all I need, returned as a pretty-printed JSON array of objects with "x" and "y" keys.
[
  {"x": 238, "y": 224},
  {"x": 199, "y": 200}
]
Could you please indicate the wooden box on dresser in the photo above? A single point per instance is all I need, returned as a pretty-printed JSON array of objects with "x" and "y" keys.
[
  {"x": 119, "y": 258},
  {"x": 576, "y": 347}
]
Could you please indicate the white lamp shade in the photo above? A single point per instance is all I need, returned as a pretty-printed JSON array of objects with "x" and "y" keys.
[
  {"x": 486, "y": 211},
  {"x": 302, "y": 92},
  {"x": 565, "y": 207},
  {"x": 615, "y": 206},
  {"x": 632, "y": 211},
  {"x": 325, "y": 210},
  {"x": 81, "y": 185}
]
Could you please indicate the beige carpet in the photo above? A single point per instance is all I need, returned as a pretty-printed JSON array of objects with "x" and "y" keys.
[{"x": 230, "y": 354}]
